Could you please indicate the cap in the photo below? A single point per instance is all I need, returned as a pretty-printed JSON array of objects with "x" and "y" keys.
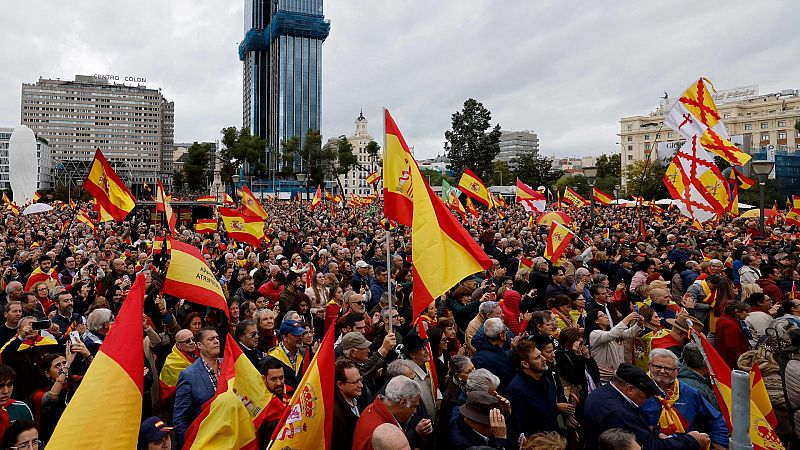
[
  {"x": 361, "y": 264},
  {"x": 153, "y": 429},
  {"x": 637, "y": 378},
  {"x": 413, "y": 342},
  {"x": 478, "y": 405},
  {"x": 354, "y": 339},
  {"x": 292, "y": 327}
]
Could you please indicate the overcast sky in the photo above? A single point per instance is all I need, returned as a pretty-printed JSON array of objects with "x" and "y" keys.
[{"x": 567, "y": 70}]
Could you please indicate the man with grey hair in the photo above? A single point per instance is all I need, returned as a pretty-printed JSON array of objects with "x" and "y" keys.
[
  {"x": 395, "y": 407},
  {"x": 99, "y": 323},
  {"x": 14, "y": 291},
  {"x": 482, "y": 380},
  {"x": 486, "y": 310},
  {"x": 679, "y": 398},
  {"x": 694, "y": 372},
  {"x": 617, "y": 439},
  {"x": 491, "y": 354}
]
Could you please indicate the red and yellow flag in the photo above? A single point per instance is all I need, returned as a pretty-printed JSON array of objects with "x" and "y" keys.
[
  {"x": 6, "y": 200},
  {"x": 36, "y": 196},
  {"x": 162, "y": 204},
  {"x": 307, "y": 422},
  {"x": 430, "y": 365},
  {"x": 557, "y": 241},
  {"x": 117, "y": 372},
  {"x": 758, "y": 393},
  {"x": 173, "y": 366},
  {"x": 374, "y": 177},
  {"x": 451, "y": 253},
  {"x": 206, "y": 198},
  {"x": 743, "y": 181},
  {"x": 573, "y": 198},
  {"x": 251, "y": 204},
  {"x": 328, "y": 196},
  {"x": 530, "y": 199},
  {"x": 397, "y": 189},
  {"x": 85, "y": 219},
  {"x": 474, "y": 187},
  {"x": 243, "y": 227},
  {"x": 230, "y": 420},
  {"x": 602, "y": 197},
  {"x": 471, "y": 208},
  {"x": 107, "y": 188},
  {"x": 526, "y": 263},
  {"x": 206, "y": 226},
  {"x": 317, "y": 197},
  {"x": 733, "y": 206},
  {"x": 793, "y": 217},
  {"x": 189, "y": 277},
  {"x": 38, "y": 276},
  {"x": 13, "y": 207}
]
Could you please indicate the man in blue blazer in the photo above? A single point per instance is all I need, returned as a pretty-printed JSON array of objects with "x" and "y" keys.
[{"x": 198, "y": 382}]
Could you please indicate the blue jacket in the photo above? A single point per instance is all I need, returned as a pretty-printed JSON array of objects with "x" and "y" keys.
[
  {"x": 696, "y": 410},
  {"x": 193, "y": 390},
  {"x": 606, "y": 408},
  {"x": 494, "y": 359},
  {"x": 533, "y": 404},
  {"x": 688, "y": 276}
]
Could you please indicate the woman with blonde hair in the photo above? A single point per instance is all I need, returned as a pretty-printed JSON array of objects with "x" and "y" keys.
[
  {"x": 749, "y": 289},
  {"x": 265, "y": 324}
]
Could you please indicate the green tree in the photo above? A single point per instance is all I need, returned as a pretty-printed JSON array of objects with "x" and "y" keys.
[
  {"x": 577, "y": 182},
  {"x": 607, "y": 183},
  {"x": 195, "y": 169},
  {"x": 239, "y": 147},
  {"x": 772, "y": 192},
  {"x": 535, "y": 170},
  {"x": 288, "y": 153},
  {"x": 339, "y": 159},
  {"x": 373, "y": 151},
  {"x": 435, "y": 177},
  {"x": 650, "y": 185},
  {"x": 609, "y": 165},
  {"x": 502, "y": 175},
  {"x": 311, "y": 154},
  {"x": 469, "y": 144},
  {"x": 178, "y": 179}
]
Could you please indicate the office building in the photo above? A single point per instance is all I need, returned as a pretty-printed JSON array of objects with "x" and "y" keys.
[
  {"x": 282, "y": 56},
  {"x": 44, "y": 159},
  {"x": 133, "y": 125},
  {"x": 514, "y": 144}
]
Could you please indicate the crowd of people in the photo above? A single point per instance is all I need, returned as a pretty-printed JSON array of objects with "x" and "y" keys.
[{"x": 590, "y": 351}]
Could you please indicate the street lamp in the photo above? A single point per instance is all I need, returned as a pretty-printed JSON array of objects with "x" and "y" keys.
[
  {"x": 235, "y": 178},
  {"x": 762, "y": 169},
  {"x": 591, "y": 173},
  {"x": 302, "y": 178}
]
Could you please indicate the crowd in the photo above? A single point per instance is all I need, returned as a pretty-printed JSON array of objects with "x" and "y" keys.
[{"x": 592, "y": 351}]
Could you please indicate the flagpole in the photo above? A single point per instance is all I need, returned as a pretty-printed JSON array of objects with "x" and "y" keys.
[{"x": 388, "y": 236}]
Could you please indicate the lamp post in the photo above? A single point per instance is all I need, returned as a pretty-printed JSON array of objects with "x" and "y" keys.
[
  {"x": 302, "y": 178},
  {"x": 762, "y": 169},
  {"x": 235, "y": 178},
  {"x": 616, "y": 192},
  {"x": 591, "y": 173}
]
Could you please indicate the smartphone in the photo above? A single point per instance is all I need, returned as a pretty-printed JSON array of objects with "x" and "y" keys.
[
  {"x": 41, "y": 324},
  {"x": 74, "y": 337}
]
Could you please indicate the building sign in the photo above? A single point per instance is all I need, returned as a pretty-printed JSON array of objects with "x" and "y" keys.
[
  {"x": 125, "y": 79},
  {"x": 666, "y": 150}
]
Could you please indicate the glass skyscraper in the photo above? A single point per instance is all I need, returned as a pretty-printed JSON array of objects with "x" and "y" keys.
[{"x": 282, "y": 56}]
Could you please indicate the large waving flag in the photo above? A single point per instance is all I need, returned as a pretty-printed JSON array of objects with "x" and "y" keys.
[
  {"x": 251, "y": 204},
  {"x": 695, "y": 114},
  {"x": 601, "y": 197},
  {"x": 557, "y": 241},
  {"x": 695, "y": 180},
  {"x": 471, "y": 208},
  {"x": 397, "y": 188},
  {"x": 307, "y": 422},
  {"x": 106, "y": 410},
  {"x": 474, "y": 187},
  {"x": 39, "y": 276},
  {"x": 450, "y": 252},
  {"x": 243, "y": 227},
  {"x": 189, "y": 277},
  {"x": 759, "y": 395},
  {"x": 162, "y": 204},
  {"x": 230, "y": 420},
  {"x": 530, "y": 199},
  {"x": 107, "y": 188},
  {"x": 573, "y": 198}
]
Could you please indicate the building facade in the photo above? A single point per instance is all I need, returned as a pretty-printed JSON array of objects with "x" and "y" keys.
[
  {"x": 514, "y": 144},
  {"x": 762, "y": 125},
  {"x": 44, "y": 163},
  {"x": 282, "y": 56},
  {"x": 181, "y": 152},
  {"x": 355, "y": 181},
  {"x": 132, "y": 124}
]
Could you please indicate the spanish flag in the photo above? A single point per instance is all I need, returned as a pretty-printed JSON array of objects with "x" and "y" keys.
[
  {"x": 107, "y": 188},
  {"x": 601, "y": 197},
  {"x": 13, "y": 207},
  {"x": 227, "y": 199},
  {"x": 230, "y": 420},
  {"x": 250, "y": 204},
  {"x": 162, "y": 204},
  {"x": 526, "y": 263},
  {"x": 793, "y": 218},
  {"x": 38, "y": 276},
  {"x": 471, "y": 208},
  {"x": 573, "y": 198},
  {"x": 337, "y": 198},
  {"x": 328, "y": 196},
  {"x": 430, "y": 365},
  {"x": 317, "y": 197},
  {"x": 106, "y": 410},
  {"x": 374, "y": 177},
  {"x": 474, "y": 187},
  {"x": 206, "y": 226},
  {"x": 530, "y": 199},
  {"x": 36, "y": 196},
  {"x": 557, "y": 241},
  {"x": 397, "y": 190},
  {"x": 243, "y": 227},
  {"x": 758, "y": 393},
  {"x": 207, "y": 198},
  {"x": 85, "y": 219},
  {"x": 733, "y": 206},
  {"x": 743, "y": 181},
  {"x": 189, "y": 277},
  {"x": 6, "y": 200},
  {"x": 796, "y": 202},
  {"x": 450, "y": 252},
  {"x": 307, "y": 422},
  {"x": 173, "y": 366}
]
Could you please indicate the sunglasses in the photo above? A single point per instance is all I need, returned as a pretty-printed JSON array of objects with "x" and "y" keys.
[{"x": 187, "y": 341}]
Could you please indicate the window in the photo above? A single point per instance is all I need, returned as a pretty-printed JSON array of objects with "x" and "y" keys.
[
  {"x": 669, "y": 135},
  {"x": 764, "y": 137},
  {"x": 658, "y": 135},
  {"x": 630, "y": 127},
  {"x": 781, "y": 135},
  {"x": 630, "y": 138},
  {"x": 748, "y": 126},
  {"x": 630, "y": 147},
  {"x": 764, "y": 125},
  {"x": 630, "y": 157},
  {"x": 647, "y": 137},
  {"x": 647, "y": 146},
  {"x": 781, "y": 123}
]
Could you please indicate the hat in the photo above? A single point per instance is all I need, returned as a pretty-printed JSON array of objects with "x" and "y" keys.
[
  {"x": 478, "y": 405},
  {"x": 354, "y": 339},
  {"x": 682, "y": 322},
  {"x": 293, "y": 327},
  {"x": 361, "y": 264},
  {"x": 153, "y": 429},
  {"x": 413, "y": 342},
  {"x": 637, "y": 378}
]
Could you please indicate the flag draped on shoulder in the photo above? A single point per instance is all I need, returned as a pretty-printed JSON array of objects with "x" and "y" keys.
[
  {"x": 163, "y": 205},
  {"x": 173, "y": 366},
  {"x": 251, "y": 205},
  {"x": 397, "y": 188},
  {"x": 243, "y": 227},
  {"x": 107, "y": 188},
  {"x": 530, "y": 199},
  {"x": 188, "y": 276},
  {"x": 307, "y": 423},
  {"x": 91, "y": 419},
  {"x": 230, "y": 420},
  {"x": 474, "y": 187},
  {"x": 601, "y": 197},
  {"x": 557, "y": 241}
]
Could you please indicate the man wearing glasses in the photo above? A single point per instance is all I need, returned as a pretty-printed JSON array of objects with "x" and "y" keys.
[
  {"x": 247, "y": 338},
  {"x": 347, "y": 404},
  {"x": 183, "y": 354},
  {"x": 680, "y": 409},
  {"x": 198, "y": 382}
]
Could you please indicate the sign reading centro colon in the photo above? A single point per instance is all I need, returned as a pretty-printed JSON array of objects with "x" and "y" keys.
[{"x": 123, "y": 78}]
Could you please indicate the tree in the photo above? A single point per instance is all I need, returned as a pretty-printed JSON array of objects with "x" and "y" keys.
[
  {"x": 240, "y": 147},
  {"x": 178, "y": 179},
  {"x": 195, "y": 169},
  {"x": 435, "y": 177},
  {"x": 501, "y": 175},
  {"x": 577, "y": 182},
  {"x": 311, "y": 154},
  {"x": 609, "y": 165},
  {"x": 468, "y": 144},
  {"x": 535, "y": 170},
  {"x": 651, "y": 185},
  {"x": 373, "y": 151},
  {"x": 607, "y": 183},
  {"x": 339, "y": 159},
  {"x": 289, "y": 150}
]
